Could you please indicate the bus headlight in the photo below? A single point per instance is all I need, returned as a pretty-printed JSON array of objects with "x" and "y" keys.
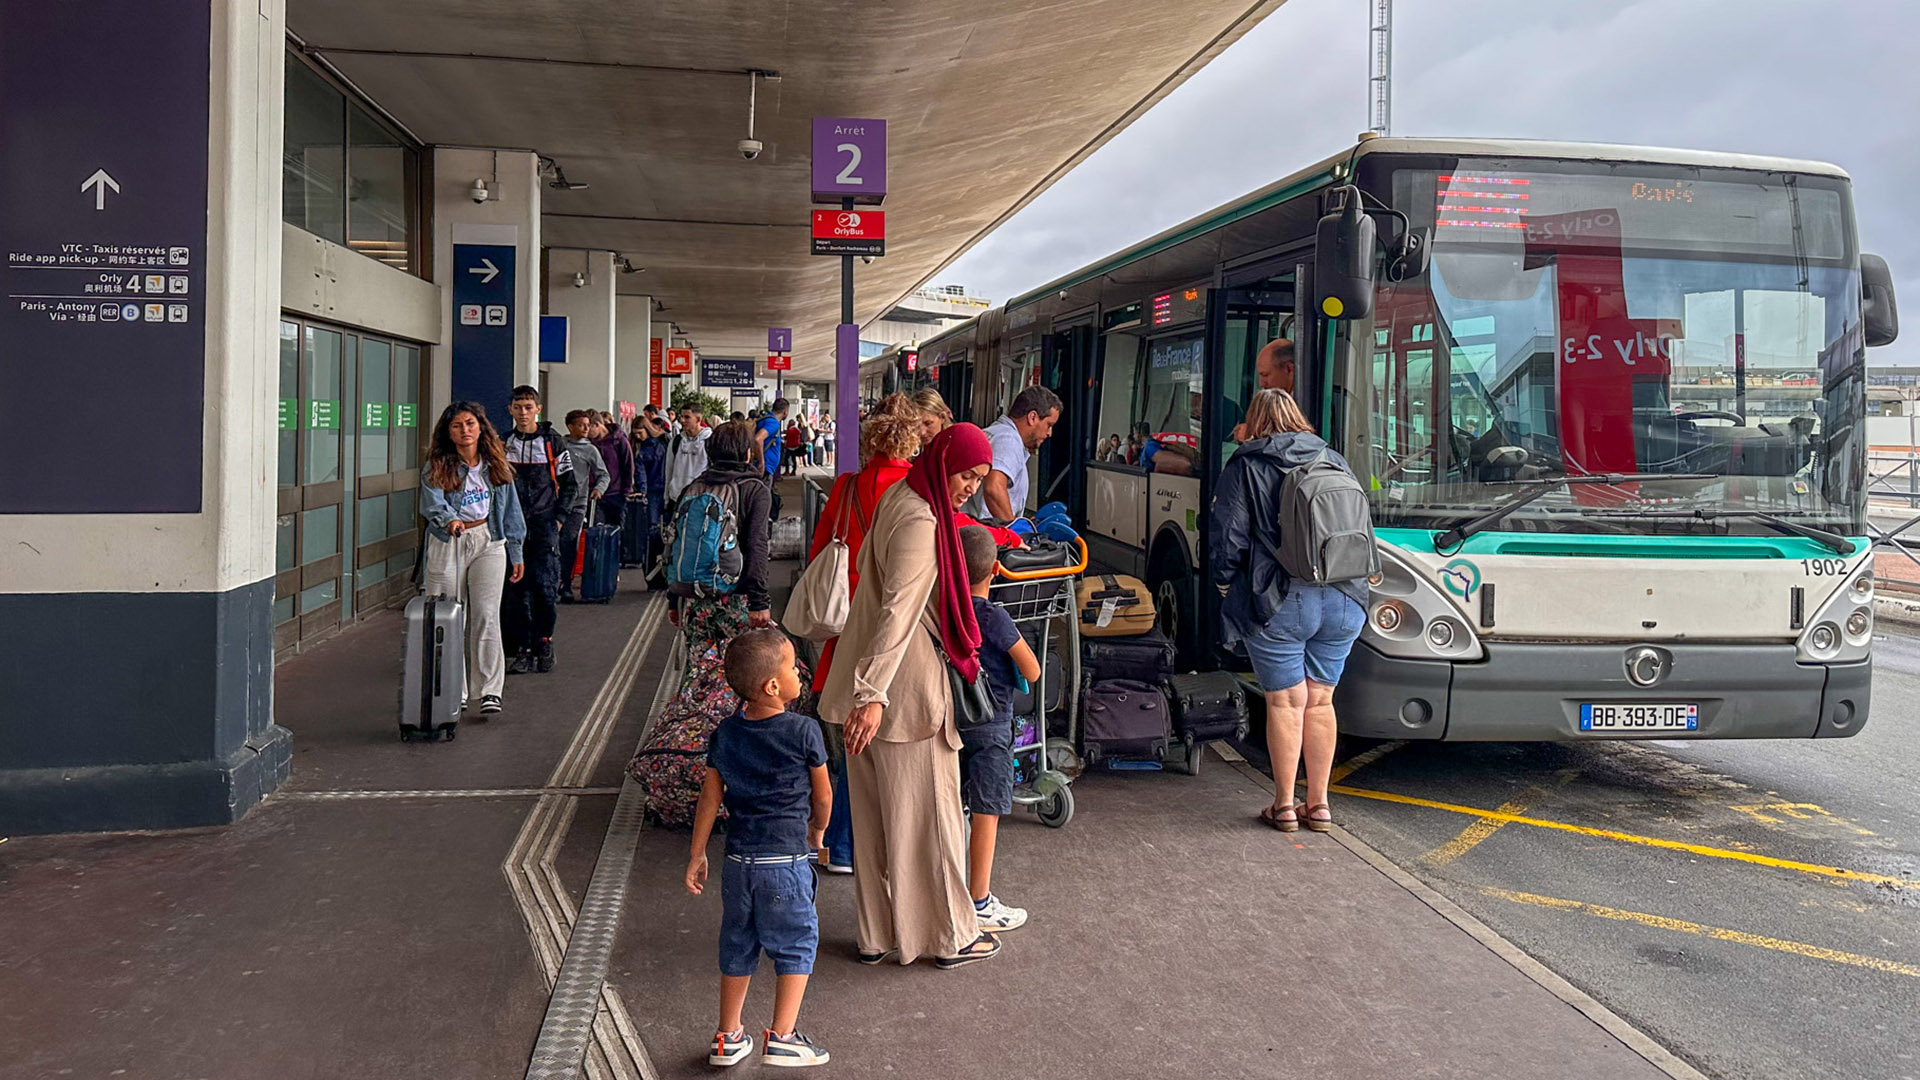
[
  {"x": 1387, "y": 617},
  {"x": 1823, "y": 638},
  {"x": 1840, "y": 624},
  {"x": 1410, "y": 618}
]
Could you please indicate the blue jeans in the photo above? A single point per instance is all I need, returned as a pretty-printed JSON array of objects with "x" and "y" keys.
[
  {"x": 767, "y": 908},
  {"x": 1308, "y": 637}
]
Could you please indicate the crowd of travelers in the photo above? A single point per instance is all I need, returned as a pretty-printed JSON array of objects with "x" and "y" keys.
[{"x": 893, "y": 782}]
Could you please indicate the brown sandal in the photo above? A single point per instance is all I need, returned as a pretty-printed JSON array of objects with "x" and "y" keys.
[
  {"x": 1317, "y": 824},
  {"x": 1271, "y": 816}
]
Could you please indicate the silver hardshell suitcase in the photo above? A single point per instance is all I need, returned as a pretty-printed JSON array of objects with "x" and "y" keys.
[{"x": 433, "y": 683}]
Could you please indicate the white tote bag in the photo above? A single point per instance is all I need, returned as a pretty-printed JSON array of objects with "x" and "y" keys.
[{"x": 817, "y": 608}]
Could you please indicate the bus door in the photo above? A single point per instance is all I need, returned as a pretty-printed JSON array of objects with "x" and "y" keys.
[
  {"x": 1116, "y": 497},
  {"x": 1067, "y": 368},
  {"x": 1242, "y": 320}
]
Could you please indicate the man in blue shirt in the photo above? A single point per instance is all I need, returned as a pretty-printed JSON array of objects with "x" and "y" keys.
[{"x": 766, "y": 432}]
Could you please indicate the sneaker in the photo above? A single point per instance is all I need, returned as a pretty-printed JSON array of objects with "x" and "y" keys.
[
  {"x": 521, "y": 663},
  {"x": 490, "y": 703},
  {"x": 543, "y": 657},
  {"x": 997, "y": 916},
  {"x": 794, "y": 1051},
  {"x": 832, "y": 867},
  {"x": 730, "y": 1047}
]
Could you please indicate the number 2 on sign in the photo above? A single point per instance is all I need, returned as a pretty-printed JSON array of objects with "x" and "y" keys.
[{"x": 846, "y": 175}]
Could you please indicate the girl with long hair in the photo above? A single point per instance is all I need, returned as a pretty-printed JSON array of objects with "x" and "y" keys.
[{"x": 475, "y": 532}]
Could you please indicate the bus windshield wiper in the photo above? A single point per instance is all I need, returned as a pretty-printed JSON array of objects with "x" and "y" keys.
[
  {"x": 1834, "y": 542},
  {"x": 1458, "y": 534}
]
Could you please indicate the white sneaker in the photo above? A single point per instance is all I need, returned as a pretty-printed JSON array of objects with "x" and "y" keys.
[{"x": 997, "y": 916}]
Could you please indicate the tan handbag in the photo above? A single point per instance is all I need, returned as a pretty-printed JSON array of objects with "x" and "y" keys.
[{"x": 821, "y": 599}]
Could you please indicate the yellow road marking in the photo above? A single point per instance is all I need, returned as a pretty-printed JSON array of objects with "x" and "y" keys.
[
  {"x": 1661, "y": 922},
  {"x": 1799, "y": 811},
  {"x": 1478, "y": 831},
  {"x": 1360, "y": 761},
  {"x": 1840, "y": 872}
]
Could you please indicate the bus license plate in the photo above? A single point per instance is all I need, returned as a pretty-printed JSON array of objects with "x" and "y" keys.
[{"x": 1641, "y": 716}]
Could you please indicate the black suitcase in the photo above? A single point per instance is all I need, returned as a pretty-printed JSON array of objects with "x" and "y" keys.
[
  {"x": 1124, "y": 718},
  {"x": 1147, "y": 657},
  {"x": 433, "y": 686},
  {"x": 636, "y": 538},
  {"x": 599, "y": 563},
  {"x": 1053, "y": 671},
  {"x": 1207, "y": 707}
]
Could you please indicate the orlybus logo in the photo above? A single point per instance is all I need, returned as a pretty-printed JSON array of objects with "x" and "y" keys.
[
  {"x": 1460, "y": 577},
  {"x": 849, "y": 221}
]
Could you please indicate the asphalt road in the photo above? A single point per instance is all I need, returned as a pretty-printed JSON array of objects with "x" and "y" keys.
[{"x": 1754, "y": 906}]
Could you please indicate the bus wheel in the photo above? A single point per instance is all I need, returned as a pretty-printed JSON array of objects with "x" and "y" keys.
[{"x": 1173, "y": 605}]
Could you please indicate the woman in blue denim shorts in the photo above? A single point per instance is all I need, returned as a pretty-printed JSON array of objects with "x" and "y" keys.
[{"x": 1297, "y": 634}]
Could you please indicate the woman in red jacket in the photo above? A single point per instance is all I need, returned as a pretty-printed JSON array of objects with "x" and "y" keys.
[{"x": 889, "y": 438}]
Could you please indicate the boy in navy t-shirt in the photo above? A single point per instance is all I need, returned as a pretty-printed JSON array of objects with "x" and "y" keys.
[
  {"x": 986, "y": 750},
  {"x": 770, "y": 768}
]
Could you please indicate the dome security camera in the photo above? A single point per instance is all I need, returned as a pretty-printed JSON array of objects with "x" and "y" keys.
[
  {"x": 479, "y": 191},
  {"x": 749, "y": 148}
]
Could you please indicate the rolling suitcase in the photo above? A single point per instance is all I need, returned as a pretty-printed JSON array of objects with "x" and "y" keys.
[
  {"x": 1114, "y": 605},
  {"x": 1207, "y": 707},
  {"x": 599, "y": 563},
  {"x": 1124, "y": 718},
  {"x": 1148, "y": 657},
  {"x": 1056, "y": 686},
  {"x": 433, "y": 684},
  {"x": 636, "y": 533}
]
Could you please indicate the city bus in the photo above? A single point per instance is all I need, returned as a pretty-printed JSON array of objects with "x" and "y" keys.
[{"x": 1608, "y": 402}]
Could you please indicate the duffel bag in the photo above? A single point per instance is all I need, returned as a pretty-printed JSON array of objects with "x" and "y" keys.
[
  {"x": 1208, "y": 706},
  {"x": 671, "y": 765},
  {"x": 1124, "y": 718},
  {"x": 1041, "y": 553},
  {"x": 1114, "y": 605},
  {"x": 1148, "y": 656}
]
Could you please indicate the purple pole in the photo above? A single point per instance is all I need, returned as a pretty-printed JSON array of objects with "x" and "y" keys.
[{"x": 846, "y": 398}]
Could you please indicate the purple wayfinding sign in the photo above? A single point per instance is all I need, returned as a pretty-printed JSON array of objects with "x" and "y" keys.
[
  {"x": 780, "y": 339},
  {"x": 849, "y": 159}
]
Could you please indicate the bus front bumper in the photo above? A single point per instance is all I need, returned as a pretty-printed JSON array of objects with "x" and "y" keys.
[{"x": 1532, "y": 692}]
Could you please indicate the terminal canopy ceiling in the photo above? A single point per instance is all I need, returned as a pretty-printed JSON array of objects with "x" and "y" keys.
[{"x": 987, "y": 102}]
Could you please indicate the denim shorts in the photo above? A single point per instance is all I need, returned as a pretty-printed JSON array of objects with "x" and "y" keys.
[
  {"x": 986, "y": 767},
  {"x": 1308, "y": 637},
  {"x": 767, "y": 908}
]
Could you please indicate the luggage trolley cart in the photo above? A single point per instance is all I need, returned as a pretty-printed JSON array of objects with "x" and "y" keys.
[{"x": 1042, "y": 597}]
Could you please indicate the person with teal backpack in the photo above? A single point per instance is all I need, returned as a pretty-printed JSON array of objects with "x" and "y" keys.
[{"x": 717, "y": 542}]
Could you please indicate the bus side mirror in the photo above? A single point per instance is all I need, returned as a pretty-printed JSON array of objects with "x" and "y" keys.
[
  {"x": 1877, "y": 308},
  {"x": 1343, "y": 260}
]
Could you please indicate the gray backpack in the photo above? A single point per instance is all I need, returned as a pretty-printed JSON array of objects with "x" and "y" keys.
[{"x": 1326, "y": 524}]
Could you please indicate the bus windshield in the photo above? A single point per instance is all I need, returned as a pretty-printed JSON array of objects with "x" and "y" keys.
[{"x": 1582, "y": 318}]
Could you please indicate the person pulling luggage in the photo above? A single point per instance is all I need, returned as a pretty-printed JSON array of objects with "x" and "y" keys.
[
  {"x": 475, "y": 533},
  {"x": 1292, "y": 545},
  {"x": 589, "y": 465}
]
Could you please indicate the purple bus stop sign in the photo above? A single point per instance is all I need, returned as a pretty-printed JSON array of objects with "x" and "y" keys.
[
  {"x": 849, "y": 159},
  {"x": 779, "y": 339}
]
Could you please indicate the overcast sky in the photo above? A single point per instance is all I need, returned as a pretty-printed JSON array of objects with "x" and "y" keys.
[{"x": 1832, "y": 80}]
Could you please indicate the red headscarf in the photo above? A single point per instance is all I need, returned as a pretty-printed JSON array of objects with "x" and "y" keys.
[{"x": 955, "y": 450}]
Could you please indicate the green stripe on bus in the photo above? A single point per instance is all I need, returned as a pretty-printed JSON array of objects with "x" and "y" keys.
[{"x": 1583, "y": 545}]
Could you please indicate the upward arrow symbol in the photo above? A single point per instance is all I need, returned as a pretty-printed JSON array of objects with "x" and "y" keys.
[{"x": 100, "y": 182}]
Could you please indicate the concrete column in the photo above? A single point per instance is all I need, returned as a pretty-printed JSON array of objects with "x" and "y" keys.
[
  {"x": 632, "y": 336},
  {"x": 136, "y": 626},
  {"x": 511, "y": 218},
  {"x": 585, "y": 381}
]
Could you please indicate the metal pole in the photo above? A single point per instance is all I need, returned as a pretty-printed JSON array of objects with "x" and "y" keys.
[
  {"x": 846, "y": 390},
  {"x": 1380, "y": 77}
]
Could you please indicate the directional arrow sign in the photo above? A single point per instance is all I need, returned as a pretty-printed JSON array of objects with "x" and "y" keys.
[
  {"x": 100, "y": 182},
  {"x": 486, "y": 269}
]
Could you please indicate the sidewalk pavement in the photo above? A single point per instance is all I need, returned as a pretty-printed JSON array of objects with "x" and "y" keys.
[{"x": 399, "y": 909}]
